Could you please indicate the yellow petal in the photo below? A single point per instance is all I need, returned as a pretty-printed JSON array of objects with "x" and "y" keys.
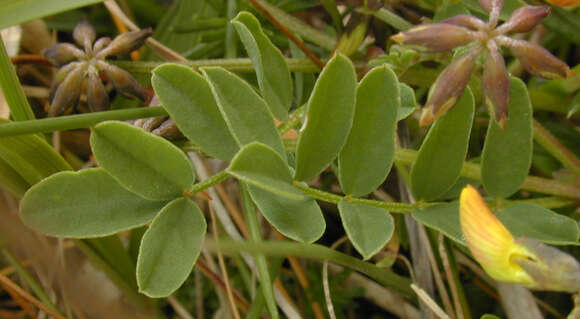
[
  {"x": 491, "y": 244},
  {"x": 565, "y": 3}
]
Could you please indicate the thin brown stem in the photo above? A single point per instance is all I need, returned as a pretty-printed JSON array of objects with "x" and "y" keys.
[
  {"x": 288, "y": 33},
  {"x": 5, "y": 281},
  {"x": 30, "y": 59},
  {"x": 216, "y": 279}
]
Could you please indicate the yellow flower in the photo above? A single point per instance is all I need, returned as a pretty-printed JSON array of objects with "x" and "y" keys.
[
  {"x": 491, "y": 244},
  {"x": 565, "y": 3}
]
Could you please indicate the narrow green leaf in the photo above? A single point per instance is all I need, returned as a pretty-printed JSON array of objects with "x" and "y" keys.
[
  {"x": 245, "y": 112},
  {"x": 19, "y": 11},
  {"x": 271, "y": 68},
  {"x": 11, "y": 180},
  {"x": 534, "y": 221},
  {"x": 440, "y": 159},
  {"x": 270, "y": 185},
  {"x": 170, "y": 248},
  {"x": 507, "y": 154},
  {"x": 187, "y": 97},
  {"x": 31, "y": 157},
  {"x": 328, "y": 119},
  {"x": 259, "y": 165},
  {"x": 88, "y": 203},
  {"x": 488, "y": 316},
  {"x": 367, "y": 156},
  {"x": 368, "y": 228},
  {"x": 298, "y": 219},
  {"x": 143, "y": 163},
  {"x": 408, "y": 102}
]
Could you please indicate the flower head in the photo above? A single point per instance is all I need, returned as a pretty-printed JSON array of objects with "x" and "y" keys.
[
  {"x": 81, "y": 67},
  {"x": 522, "y": 260},
  {"x": 486, "y": 38}
]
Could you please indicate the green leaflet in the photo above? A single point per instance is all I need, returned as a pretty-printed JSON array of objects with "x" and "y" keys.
[
  {"x": 19, "y": 11},
  {"x": 522, "y": 220},
  {"x": 534, "y": 221},
  {"x": 170, "y": 248},
  {"x": 408, "y": 102},
  {"x": 143, "y": 163},
  {"x": 328, "y": 119},
  {"x": 367, "y": 157},
  {"x": 271, "y": 68},
  {"x": 88, "y": 203},
  {"x": 270, "y": 186},
  {"x": 187, "y": 97},
  {"x": 507, "y": 154},
  {"x": 440, "y": 159},
  {"x": 244, "y": 111},
  {"x": 368, "y": 228}
]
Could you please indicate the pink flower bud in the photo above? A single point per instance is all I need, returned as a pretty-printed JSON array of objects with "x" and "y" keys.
[
  {"x": 84, "y": 34},
  {"x": 68, "y": 92},
  {"x": 125, "y": 43},
  {"x": 101, "y": 43},
  {"x": 466, "y": 21},
  {"x": 97, "y": 96},
  {"x": 437, "y": 37},
  {"x": 449, "y": 86},
  {"x": 60, "y": 76},
  {"x": 63, "y": 53},
  {"x": 535, "y": 59},
  {"x": 490, "y": 5},
  {"x": 524, "y": 19},
  {"x": 123, "y": 81},
  {"x": 496, "y": 85}
]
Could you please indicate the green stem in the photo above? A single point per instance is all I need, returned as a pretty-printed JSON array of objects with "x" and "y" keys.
[
  {"x": 292, "y": 120},
  {"x": 555, "y": 148},
  {"x": 29, "y": 280},
  {"x": 314, "y": 251},
  {"x": 13, "y": 93},
  {"x": 77, "y": 121},
  {"x": 389, "y": 18},
  {"x": 231, "y": 41},
  {"x": 256, "y": 237},
  {"x": 207, "y": 183}
]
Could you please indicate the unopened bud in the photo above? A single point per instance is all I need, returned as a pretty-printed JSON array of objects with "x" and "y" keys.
[
  {"x": 101, "y": 43},
  {"x": 437, "y": 37},
  {"x": 466, "y": 21},
  {"x": 84, "y": 34},
  {"x": 496, "y": 85},
  {"x": 97, "y": 97},
  {"x": 550, "y": 268},
  {"x": 168, "y": 129},
  {"x": 126, "y": 42},
  {"x": 524, "y": 19},
  {"x": 354, "y": 34},
  {"x": 535, "y": 59},
  {"x": 63, "y": 53},
  {"x": 449, "y": 86},
  {"x": 60, "y": 76},
  {"x": 123, "y": 81},
  {"x": 68, "y": 92},
  {"x": 490, "y": 5}
]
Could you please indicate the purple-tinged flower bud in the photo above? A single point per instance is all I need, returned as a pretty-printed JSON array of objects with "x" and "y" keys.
[
  {"x": 437, "y": 37},
  {"x": 125, "y": 43},
  {"x": 84, "y": 34},
  {"x": 123, "y": 81},
  {"x": 466, "y": 21},
  {"x": 449, "y": 86},
  {"x": 68, "y": 92},
  {"x": 496, "y": 85},
  {"x": 535, "y": 59},
  {"x": 63, "y": 53},
  {"x": 550, "y": 268},
  {"x": 97, "y": 96},
  {"x": 60, "y": 76},
  {"x": 489, "y": 5},
  {"x": 524, "y": 19},
  {"x": 101, "y": 43},
  {"x": 167, "y": 129}
]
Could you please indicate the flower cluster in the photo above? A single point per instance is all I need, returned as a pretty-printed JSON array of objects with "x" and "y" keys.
[
  {"x": 485, "y": 38},
  {"x": 80, "y": 69}
]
